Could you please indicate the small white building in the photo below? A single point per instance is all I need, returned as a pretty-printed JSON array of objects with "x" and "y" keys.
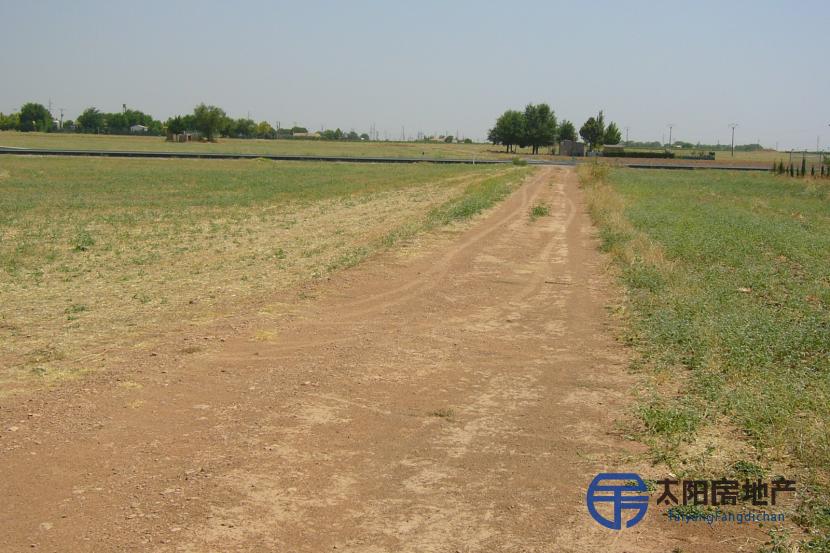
[{"x": 139, "y": 128}]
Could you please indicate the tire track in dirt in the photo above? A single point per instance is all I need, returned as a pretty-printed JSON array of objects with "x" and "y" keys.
[
  {"x": 515, "y": 212},
  {"x": 462, "y": 402}
]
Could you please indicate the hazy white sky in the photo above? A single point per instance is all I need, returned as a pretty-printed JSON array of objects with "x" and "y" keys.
[{"x": 434, "y": 66}]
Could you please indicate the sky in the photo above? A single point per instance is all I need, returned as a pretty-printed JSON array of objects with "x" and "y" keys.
[{"x": 449, "y": 66}]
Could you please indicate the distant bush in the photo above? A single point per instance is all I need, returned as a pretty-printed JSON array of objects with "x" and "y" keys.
[{"x": 665, "y": 154}]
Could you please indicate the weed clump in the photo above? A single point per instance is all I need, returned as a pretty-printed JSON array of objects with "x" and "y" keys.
[
  {"x": 83, "y": 241},
  {"x": 539, "y": 210}
]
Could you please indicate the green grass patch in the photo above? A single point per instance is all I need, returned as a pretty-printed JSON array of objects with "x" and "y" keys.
[
  {"x": 539, "y": 210},
  {"x": 476, "y": 198},
  {"x": 728, "y": 279}
]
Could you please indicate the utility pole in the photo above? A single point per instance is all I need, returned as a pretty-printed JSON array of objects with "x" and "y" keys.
[
  {"x": 626, "y": 135},
  {"x": 670, "y": 126},
  {"x": 61, "y": 110},
  {"x": 732, "y": 126}
]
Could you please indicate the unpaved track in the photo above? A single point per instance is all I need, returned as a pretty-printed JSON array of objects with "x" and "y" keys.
[{"x": 458, "y": 398}]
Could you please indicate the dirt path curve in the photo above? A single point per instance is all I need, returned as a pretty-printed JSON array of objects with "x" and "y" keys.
[{"x": 459, "y": 398}]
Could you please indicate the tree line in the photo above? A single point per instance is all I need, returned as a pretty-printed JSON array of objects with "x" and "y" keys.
[
  {"x": 655, "y": 144},
  {"x": 34, "y": 117},
  {"x": 537, "y": 127},
  {"x": 210, "y": 121}
]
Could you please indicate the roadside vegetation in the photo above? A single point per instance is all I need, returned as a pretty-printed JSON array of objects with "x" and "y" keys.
[
  {"x": 728, "y": 303},
  {"x": 101, "y": 253}
]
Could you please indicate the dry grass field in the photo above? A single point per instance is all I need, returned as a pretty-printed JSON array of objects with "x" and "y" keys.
[
  {"x": 96, "y": 253},
  {"x": 432, "y": 150}
]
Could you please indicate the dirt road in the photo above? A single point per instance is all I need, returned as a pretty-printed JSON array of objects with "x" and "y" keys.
[{"x": 456, "y": 396}]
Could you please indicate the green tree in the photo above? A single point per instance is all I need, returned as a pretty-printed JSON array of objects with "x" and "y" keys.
[
  {"x": 10, "y": 122},
  {"x": 509, "y": 129},
  {"x": 567, "y": 131},
  {"x": 240, "y": 128},
  {"x": 35, "y": 117},
  {"x": 803, "y": 166},
  {"x": 540, "y": 126},
  {"x": 612, "y": 134},
  {"x": 364, "y": 136},
  {"x": 116, "y": 122},
  {"x": 265, "y": 130},
  {"x": 209, "y": 120},
  {"x": 136, "y": 117},
  {"x": 593, "y": 131},
  {"x": 448, "y": 139},
  {"x": 91, "y": 120},
  {"x": 175, "y": 125}
]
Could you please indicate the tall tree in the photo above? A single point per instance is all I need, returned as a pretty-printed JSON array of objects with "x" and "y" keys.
[
  {"x": 35, "y": 117},
  {"x": 567, "y": 131},
  {"x": 241, "y": 128},
  {"x": 175, "y": 125},
  {"x": 593, "y": 131},
  {"x": 509, "y": 129},
  {"x": 612, "y": 134},
  {"x": 209, "y": 120},
  {"x": 91, "y": 120},
  {"x": 540, "y": 126},
  {"x": 116, "y": 122}
]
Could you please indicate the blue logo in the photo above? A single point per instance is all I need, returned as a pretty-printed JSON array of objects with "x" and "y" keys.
[{"x": 627, "y": 483}]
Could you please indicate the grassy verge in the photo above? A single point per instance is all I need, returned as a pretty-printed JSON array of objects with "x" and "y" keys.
[
  {"x": 728, "y": 281},
  {"x": 97, "y": 252}
]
